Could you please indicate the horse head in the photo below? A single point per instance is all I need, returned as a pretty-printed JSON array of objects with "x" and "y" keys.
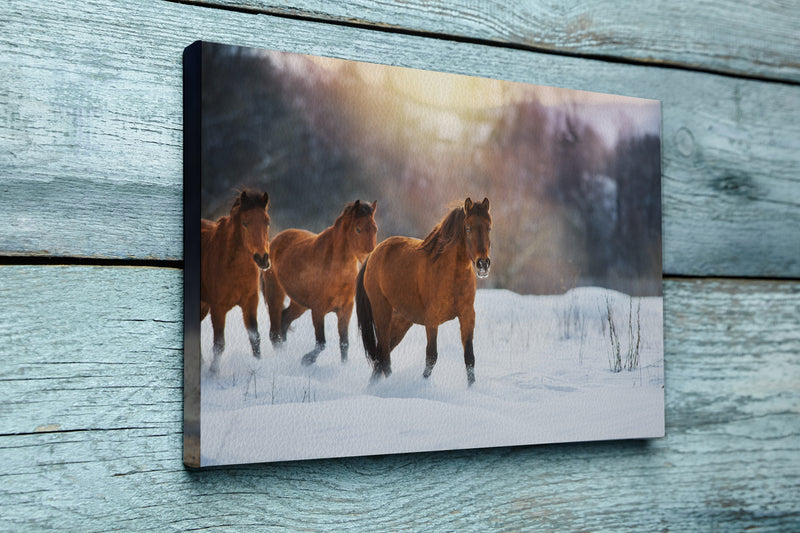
[
  {"x": 250, "y": 208},
  {"x": 362, "y": 231},
  {"x": 477, "y": 225}
]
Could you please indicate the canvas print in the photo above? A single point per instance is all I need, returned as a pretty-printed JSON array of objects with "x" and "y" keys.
[{"x": 383, "y": 260}]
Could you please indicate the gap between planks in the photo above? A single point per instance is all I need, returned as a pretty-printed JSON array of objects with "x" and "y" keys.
[
  {"x": 51, "y": 260},
  {"x": 41, "y": 260}
]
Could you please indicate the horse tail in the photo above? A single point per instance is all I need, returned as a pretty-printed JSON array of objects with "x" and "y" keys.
[{"x": 366, "y": 323}]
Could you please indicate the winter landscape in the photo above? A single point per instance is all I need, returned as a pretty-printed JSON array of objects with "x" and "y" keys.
[
  {"x": 585, "y": 365},
  {"x": 568, "y": 332}
]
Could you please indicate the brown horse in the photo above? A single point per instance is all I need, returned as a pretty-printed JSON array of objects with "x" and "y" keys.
[
  {"x": 407, "y": 281},
  {"x": 318, "y": 272},
  {"x": 233, "y": 250}
]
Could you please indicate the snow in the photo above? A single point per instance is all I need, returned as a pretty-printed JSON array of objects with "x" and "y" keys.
[{"x": 542, "y": 367}]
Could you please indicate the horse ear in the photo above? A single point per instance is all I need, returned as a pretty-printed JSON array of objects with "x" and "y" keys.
[
  {"x": 243, "y": 196},
  {"x": 468, "y": 205},
  {"x": 356, "y": 206},
  {"x": 485, "y": 203},
  {"x": 374, "y": 206},
  {"x": 265, "y": 199}
]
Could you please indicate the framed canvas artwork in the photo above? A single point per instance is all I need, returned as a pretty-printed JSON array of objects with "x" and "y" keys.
[{"x": 382, "y": 260}]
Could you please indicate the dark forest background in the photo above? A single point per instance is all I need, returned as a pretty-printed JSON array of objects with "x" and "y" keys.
[{"x": 572, "y": 204}]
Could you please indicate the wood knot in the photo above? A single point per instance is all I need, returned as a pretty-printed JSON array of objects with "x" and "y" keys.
[{"x": 738, "y": 185}]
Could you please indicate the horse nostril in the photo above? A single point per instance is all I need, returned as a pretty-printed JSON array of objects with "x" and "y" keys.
[{"x": 261, "y": 260}]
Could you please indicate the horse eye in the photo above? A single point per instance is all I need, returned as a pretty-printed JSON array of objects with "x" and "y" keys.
[
  {"x": 358, "y": 230},
  {"x": 469, "y": 229},
  {"x": 244, "y": 224}
]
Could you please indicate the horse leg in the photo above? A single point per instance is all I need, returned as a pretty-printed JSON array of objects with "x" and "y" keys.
[
  {"x": 274, "y": 296},
  {"x": 204, "y": 309},
  {"x": 318, "y": 318},
  {"x": 289, "y": 315},
  {"x": 218, "y": 325},
  {"x": 343, "y": 315},
  {"x": 467, "y": 323},
  {"x": 250, "y": 312},
  {"x": 400, "y": 326},
  {"x": 431, "y": 352},
  {"x": 382, "y": 315}
]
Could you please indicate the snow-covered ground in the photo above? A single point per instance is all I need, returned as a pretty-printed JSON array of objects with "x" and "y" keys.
[{"x": 542, "y": 367}]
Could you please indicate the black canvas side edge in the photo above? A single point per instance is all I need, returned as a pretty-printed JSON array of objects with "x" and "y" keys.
[
  {"x": 661, "y": 202},
  {"x": 192, "y": 104}
]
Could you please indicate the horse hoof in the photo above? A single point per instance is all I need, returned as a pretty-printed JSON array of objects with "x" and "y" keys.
[
  {"x": 427, "y": 373},
  {"x": 470, "y": 376},
  {"x": 380, "y": 372},
  {"x": 309, "y": 359}
]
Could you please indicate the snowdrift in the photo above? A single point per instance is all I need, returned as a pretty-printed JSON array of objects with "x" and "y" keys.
[{"x": 543, "y": 374}]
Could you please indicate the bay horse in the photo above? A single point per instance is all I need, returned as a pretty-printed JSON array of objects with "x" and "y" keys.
[
  {"x": 318, "y": 272},
  {"x": 233, "y": 250},
  {"x": 409, "y": 281}
]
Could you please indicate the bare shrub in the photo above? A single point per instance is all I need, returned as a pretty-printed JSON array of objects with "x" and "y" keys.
[
  {"x": 631, "y": 362},
  {"x": 634, "y": 337},
  {"x": 615, "y": 357}
]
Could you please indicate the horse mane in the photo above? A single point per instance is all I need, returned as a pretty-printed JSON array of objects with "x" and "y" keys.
[
  {"x": 249, "y": 199},
  {"x": 354, "y": 210},
  {"x": 449, "y": 231}
]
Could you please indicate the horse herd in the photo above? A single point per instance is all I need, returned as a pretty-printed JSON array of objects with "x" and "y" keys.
[{"x": 401, "y": 281}]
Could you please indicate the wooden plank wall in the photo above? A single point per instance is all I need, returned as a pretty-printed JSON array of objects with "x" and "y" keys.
[{"x": 91, "y": 280}]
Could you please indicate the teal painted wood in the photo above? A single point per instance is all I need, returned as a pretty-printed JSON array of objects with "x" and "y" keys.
[
  {"x": 91, "y": 358},
  {"x": 91, "y": 136},
  {"x": 749, "y": 38},
  {"x": 90, "y": 430},
  {"x": 83, "y": 336}
]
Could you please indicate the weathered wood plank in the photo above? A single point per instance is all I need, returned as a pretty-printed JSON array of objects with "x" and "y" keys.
[
  {"x": 746, "y": 38},
  {"x": 86, "y": 336},
  {"x": 91, "y": 136},
  {"x": 90, "y": 430}
]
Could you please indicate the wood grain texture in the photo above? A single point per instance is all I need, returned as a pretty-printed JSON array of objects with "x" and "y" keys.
[
  {"x": 748, "y": 38},
  {"x": 91, "y": 130},
  {"x": 90, "y": 430},
  {"x": 91, "y": 357}
]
